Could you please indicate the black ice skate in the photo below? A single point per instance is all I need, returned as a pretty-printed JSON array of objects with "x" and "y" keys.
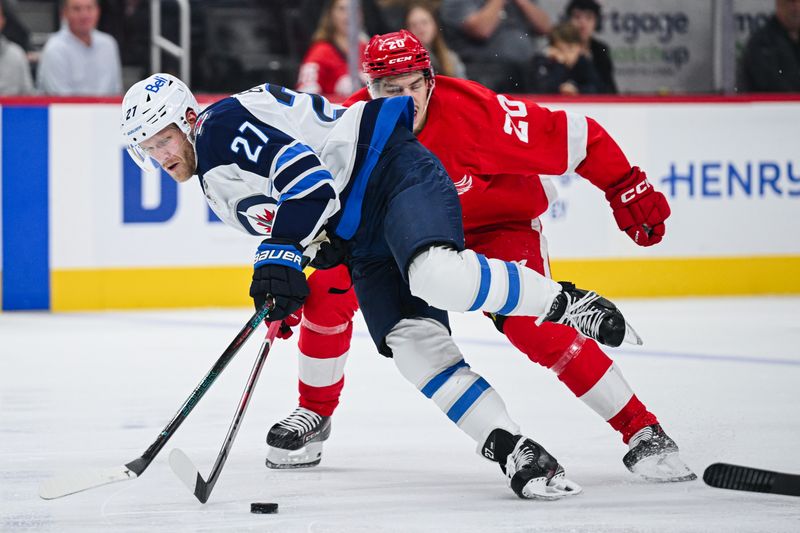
[
  {"x": 592, "y": 315},
  {"x": 532, "y": 473},
  {"x": 654, "y": 456},
  {"x": 296, "y": 441}
]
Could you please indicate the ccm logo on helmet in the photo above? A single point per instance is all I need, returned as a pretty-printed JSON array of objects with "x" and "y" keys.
[
  {"x": 157, "y": 84},
  {"x": 400, "y": 59},
  {"x": 633, "y": 192}
]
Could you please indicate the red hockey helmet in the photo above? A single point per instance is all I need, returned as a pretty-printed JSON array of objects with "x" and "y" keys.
[{"x": 395, "y": 53}]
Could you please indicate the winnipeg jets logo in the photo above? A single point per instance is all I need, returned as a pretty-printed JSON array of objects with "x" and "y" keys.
[
  {"x": 262, "y": 220},
  {"x": 464, "y": 184},
  {"x": 256, "y": 214}
]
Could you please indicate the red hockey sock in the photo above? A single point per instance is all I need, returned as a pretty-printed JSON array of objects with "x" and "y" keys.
[
  {"x": 633, "y": 417},
  {"x": 584, "y": 368},
  {"x": 324, "y": 340},
  {"x": 322, "y": 359},
  {"x": 321, "y": 400}
]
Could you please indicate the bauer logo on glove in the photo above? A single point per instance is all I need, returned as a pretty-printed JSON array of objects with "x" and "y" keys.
[{"x": 275, "y": 254}]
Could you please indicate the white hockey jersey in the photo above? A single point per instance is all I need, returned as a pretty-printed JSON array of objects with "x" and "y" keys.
[{"x": 274, "y": 162}]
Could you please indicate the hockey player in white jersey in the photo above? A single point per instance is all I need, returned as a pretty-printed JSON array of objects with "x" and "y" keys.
[{"x": 359, "y": 176}]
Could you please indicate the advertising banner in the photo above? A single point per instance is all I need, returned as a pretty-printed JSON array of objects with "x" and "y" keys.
[
  {"x": 84, "y": 228},
  {"x": 668, "y": 46}
]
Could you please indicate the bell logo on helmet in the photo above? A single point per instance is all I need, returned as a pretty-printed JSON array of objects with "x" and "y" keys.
[{"x": 158, "y": 83}]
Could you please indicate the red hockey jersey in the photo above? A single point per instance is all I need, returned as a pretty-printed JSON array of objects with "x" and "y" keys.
[{"x": 495, "y": 147}]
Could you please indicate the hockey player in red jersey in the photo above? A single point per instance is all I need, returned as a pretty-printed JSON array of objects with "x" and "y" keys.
[{"x": 498, "y": 150}]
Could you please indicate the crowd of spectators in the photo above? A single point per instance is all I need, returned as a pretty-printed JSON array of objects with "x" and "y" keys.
[{"x": 508, "y": 45}]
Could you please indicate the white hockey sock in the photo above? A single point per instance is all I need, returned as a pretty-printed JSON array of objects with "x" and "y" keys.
[
  {"x": 426, "y": 356},
  {"x": 468, "y": 281}
]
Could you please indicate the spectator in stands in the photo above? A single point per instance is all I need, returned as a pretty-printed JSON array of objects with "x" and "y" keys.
[
  {"x": 421, "y": 21},
  {"x": 584, "y": 15},
  {"x": 324, "y": 69},
  {"x": 15, "y": 72},
  {"x": 79, "y": 59},
  {"x": 495, "y": 38},
  {"x": 563, "y": 69},
  {"x": 15, "y": 29},
  {"x": 771, "y": 59}
]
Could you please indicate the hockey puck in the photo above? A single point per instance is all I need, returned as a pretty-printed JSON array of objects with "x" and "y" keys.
[{"x": 263, "y": 508}]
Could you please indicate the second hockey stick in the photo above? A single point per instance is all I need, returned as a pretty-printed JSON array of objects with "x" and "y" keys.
[
  {"x": 70, "y": 483},
  {"x": 747, "y": 478},
  {"x": 180, "y": 462}
]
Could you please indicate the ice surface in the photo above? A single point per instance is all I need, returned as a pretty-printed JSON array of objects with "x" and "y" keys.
[{"x": 92, "y": 390}]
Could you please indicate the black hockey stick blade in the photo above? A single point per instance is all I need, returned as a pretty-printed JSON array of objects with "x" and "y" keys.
[
  {"x": 746, "y": 478},
  {"x": 180, "y": 463},
  {"x": 76, "y": 481}
]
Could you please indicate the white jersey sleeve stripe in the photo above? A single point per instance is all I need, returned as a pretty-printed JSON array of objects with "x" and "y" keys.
[{"x": 577, "y": 138}]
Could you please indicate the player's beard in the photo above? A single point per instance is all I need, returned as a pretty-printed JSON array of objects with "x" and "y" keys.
[{"x": 186, "y": 164}]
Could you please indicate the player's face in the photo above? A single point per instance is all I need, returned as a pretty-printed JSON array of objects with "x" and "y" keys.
[
  {"x": 411, "y": 84},
  {"x": 171, "y": 149}
]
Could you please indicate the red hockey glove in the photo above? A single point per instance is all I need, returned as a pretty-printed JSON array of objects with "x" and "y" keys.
[
  {"x": 640, "y": 210},
  {"x": 285, "y": 331}
]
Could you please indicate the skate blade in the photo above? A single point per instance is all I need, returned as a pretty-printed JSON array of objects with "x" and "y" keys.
[
  {"x": 631, "y": 337},
  {"x": 664, "y": 468},
  {"x": 558, "y": 487},
  {"x": 306, "y": 457}
]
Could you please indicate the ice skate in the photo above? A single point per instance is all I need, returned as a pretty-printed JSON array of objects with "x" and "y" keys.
[
  {"x": 654, "y": 456},
  {"x": 592, "y": 315},
  {"x": 534, "y": 474},
  {"x": 296, "y": 441}
]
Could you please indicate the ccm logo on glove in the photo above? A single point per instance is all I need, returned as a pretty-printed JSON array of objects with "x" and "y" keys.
[
  {"x": 640, "y": 210},
  {"x": 632, "y": 193}
]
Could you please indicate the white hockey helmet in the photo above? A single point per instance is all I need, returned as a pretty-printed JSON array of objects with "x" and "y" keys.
[{"x": 150, "y": 106}]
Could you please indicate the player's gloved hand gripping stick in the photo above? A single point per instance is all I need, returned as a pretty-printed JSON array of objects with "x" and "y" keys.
[
  {"x": 70, "y": 483},
  {"x": 278, "y": 271}
]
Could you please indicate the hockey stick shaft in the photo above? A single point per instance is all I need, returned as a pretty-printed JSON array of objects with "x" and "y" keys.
[
  {"x": 203, "y": 489},
  {"x": 140, "y": 464},
  {"x": 71, "y": 483}
]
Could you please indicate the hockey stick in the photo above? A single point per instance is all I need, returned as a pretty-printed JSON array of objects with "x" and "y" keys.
[
  {"x": 735, "y": 477},
  {"x": 180, "y": 462},
  {"x": 70, "y": 483}
]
